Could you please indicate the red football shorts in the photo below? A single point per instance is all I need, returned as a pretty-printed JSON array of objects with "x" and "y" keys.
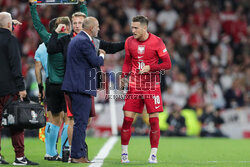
[
  {"x": 69, "y": 106},
  {"x": 135, "y": 99}
]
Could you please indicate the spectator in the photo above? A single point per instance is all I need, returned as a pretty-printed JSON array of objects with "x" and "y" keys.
[
  {"x": 228, "y": 17},
  {"x": 213, "y": 30},
  {"x": 197, "y": 99},
  {"x": 214, "y": 93},
  {"x": 211, "y": 122},
  {"x": 167, "y": 18},
  {"x": 147, "y": 11},
  {"x": 176, "y": 122},
  {"x": 226, "y": 80},
  {"x": 130, "y": 10},
  {"x": 235, "y": 96},
  {"x": 247, "y": 85},
  {"x": 180, "y": 89}
]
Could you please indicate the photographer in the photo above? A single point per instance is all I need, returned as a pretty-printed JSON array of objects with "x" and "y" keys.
[
  {"x": 11, "y": 83},
  {"x": 176, "y": 122},
  {"x": 211, "y": 122}
]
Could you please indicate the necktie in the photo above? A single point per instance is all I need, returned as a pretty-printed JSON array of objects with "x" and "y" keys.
[
  {"x": 93, "y": 42},
  {"x": 74, "y": 34}
]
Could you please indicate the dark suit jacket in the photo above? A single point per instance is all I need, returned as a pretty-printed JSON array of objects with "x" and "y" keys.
[{"x": 82, "y": 60}]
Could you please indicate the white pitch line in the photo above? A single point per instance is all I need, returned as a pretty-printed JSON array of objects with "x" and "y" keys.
[{"x": 104, "y": 152}]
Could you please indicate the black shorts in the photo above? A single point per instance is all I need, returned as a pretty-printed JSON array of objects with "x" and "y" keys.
[
  {"x": 55, "y": 98},
  {"x": 46, "y": 92}
]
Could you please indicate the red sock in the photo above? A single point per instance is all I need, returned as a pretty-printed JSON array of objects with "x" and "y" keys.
[
  {"x": 126, "y": 130},
  {"x": 154, "y": 132}
]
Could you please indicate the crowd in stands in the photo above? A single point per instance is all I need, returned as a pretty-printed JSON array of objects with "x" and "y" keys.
[{"x": 208, "y": 41}]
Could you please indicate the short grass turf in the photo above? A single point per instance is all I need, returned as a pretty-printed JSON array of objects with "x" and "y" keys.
[
  {"x": 35, "y": 151},
  {"x": 173, "y": 152},
  {"x": 185, "y": 152}
]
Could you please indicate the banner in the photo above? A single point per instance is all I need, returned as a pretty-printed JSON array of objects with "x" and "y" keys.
[{"x": 236, "y": 123}]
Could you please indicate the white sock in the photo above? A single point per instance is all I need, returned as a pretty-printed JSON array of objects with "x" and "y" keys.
[
  {"x": 154, "y": 151},
  {"x": 20, "y": 158},
  {"x": 124, "y": 149},
  {"x": 69, "y": 150}
]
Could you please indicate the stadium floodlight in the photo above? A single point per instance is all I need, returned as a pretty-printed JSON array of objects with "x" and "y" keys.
[{"x": 54, "y": 2}]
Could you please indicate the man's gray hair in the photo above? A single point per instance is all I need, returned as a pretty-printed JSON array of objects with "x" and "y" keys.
[
  {"x": 88, "y": 22},
  {"x": 5, "y": 18}
]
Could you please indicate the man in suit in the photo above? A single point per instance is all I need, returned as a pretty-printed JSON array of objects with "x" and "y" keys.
[{"x": 80, "y": 82}]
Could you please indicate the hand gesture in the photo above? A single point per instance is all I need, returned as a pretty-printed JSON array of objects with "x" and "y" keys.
[
  {"x": 16, "y": 22},
  {"x": 145, "y": 69},
  {"x": 60, "y": 28},
  {"x": 41, "y": 96},
  {"x": 102, "y": 52},
  {"x": 22, "y": 94}
]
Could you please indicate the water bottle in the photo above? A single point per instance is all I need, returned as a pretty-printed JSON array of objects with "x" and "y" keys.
[{"x": 65, "y": 153}]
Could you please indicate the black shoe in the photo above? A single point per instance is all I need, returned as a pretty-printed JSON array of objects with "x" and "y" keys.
[
  {"x": 54, "y": 158},
  {"x": 59, "y": 158},
  {"x": 46, "y": 156},
  {"x": 24, "y": 161},
  {"x": 2, "y": 161}
]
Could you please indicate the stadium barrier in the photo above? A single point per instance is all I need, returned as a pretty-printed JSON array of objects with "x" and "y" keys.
[{"x": 236, "y": 123}]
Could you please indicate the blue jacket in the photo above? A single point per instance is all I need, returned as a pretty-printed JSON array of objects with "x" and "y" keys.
[{"x": 82, "y": 60}]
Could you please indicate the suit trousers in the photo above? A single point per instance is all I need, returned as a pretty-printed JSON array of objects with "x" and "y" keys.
[
  {"x": 81, "y": 105},
  {"x": 17, "y": 135}
]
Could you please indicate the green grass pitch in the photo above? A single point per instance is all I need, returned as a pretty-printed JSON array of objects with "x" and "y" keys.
[{"x": 172, "y": 152}]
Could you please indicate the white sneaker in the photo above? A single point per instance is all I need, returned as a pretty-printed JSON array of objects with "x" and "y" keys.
[
  {"x": 125, "y": 158},
  {"x": 152, "y": 159},
  {"x": 69, "y": 160},
  {"x": 24, "y": 161}
]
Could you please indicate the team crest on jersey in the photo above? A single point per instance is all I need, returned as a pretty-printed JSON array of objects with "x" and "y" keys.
[{"x": 141, "y": 49}]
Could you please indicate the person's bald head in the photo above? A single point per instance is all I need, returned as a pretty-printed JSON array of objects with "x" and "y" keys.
[
  {"x": 91, "y": 26},
  {"x": 6, "y": 20}
]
